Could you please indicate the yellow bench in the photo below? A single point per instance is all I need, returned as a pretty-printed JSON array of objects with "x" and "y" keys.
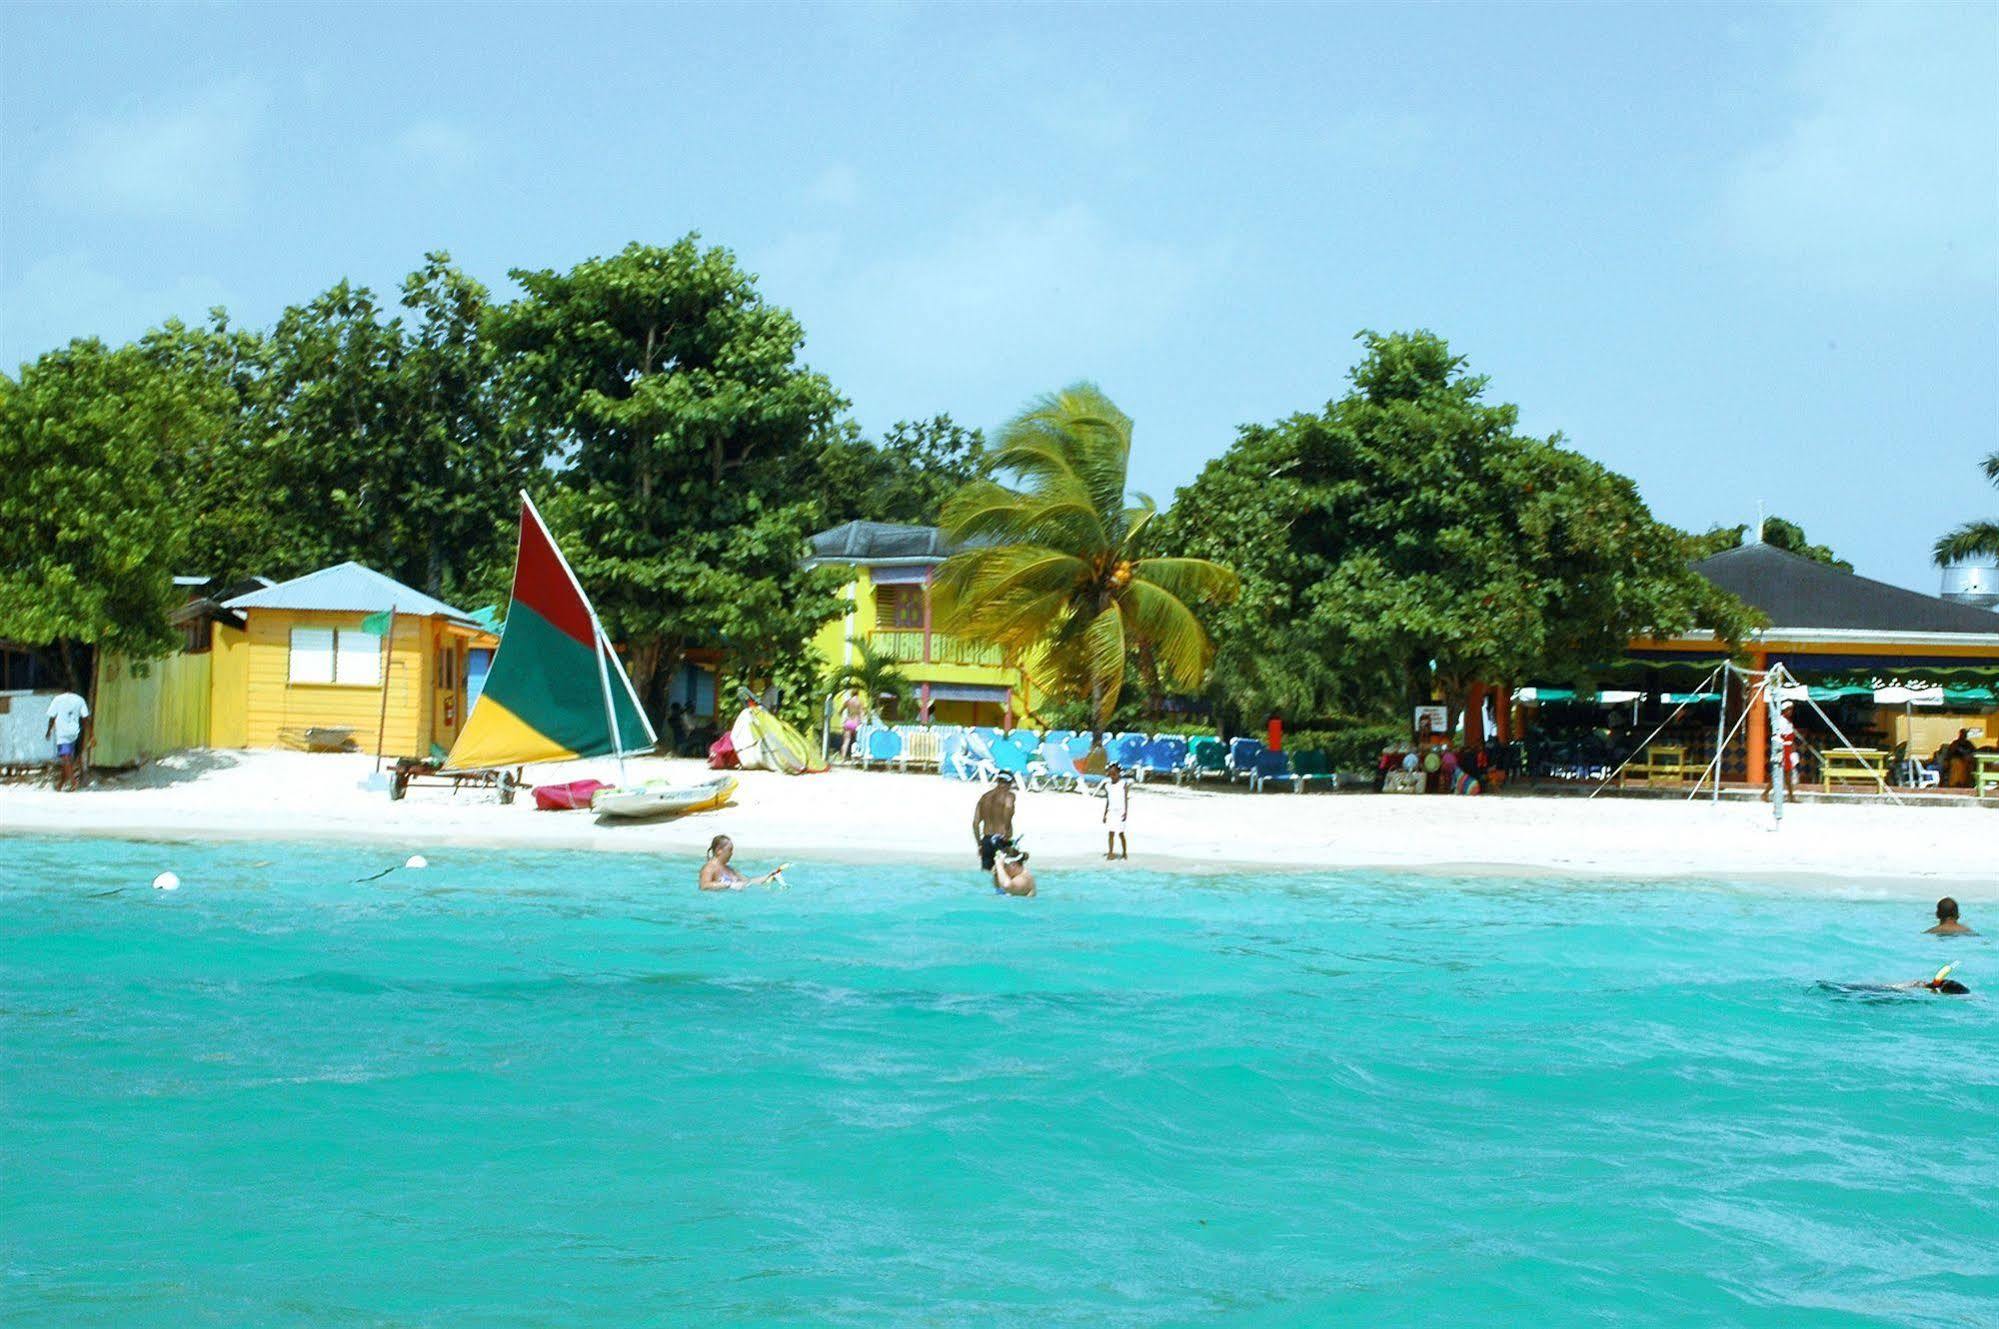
[
  {"x": 1658, "y": 762},
  {"x": 1854, "y": 765},
  {"x": 1988, "y": 772}
]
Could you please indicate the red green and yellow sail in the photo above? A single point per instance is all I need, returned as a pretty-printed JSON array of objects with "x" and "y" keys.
[{"x": 556, "y": 689}]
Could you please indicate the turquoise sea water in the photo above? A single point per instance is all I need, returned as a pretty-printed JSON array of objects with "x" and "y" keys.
[{"x": 549, "y": 1089}]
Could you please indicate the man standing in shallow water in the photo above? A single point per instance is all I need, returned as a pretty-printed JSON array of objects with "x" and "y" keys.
[
  {"x": 1947, "y": 924},
  {"x": 992, "y": 820}
]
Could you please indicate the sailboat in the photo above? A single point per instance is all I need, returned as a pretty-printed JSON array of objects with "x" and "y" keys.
[{"x": 557, "y": 691}]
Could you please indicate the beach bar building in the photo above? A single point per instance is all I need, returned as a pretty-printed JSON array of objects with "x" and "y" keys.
[
  {"x": 888, "y": 608},
  {"x": 1859, "y": 639},
  {"x": 343, "y": 656}
]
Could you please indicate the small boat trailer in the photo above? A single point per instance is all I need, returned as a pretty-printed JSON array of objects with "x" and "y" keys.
[{"x": 427, "y": 771}]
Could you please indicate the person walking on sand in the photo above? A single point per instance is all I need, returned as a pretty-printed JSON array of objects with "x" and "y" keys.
[
  {"x": 1787, "y": 734},
  {"x": 1011, "y": 875},
  {"x": 853, "y": 710},
  {"x": 992, "y": 820},
  {"x": 1117, "y": 811},
  {"x": 1947, "y": 924},
  {"x": 717, "y": 875},
  {"x": 69, "y": 722}
]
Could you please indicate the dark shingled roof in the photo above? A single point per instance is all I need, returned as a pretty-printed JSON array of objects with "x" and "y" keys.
[
  {"x": 1795, "y": 592},
  {"x": 876, "y": 541}
]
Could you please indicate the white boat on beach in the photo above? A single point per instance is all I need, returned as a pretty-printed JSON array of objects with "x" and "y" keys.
[{"x": 661, "y": 799}]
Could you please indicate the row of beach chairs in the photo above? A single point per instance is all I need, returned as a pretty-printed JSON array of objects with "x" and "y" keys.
[{"x": 1055, "y": 760}]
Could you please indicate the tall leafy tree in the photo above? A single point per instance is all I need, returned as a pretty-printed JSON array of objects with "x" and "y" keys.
[
  {"x": 1063, "y": 570},
  {"x": 1974, "y": 539},
  {"x": 688, "y": 434},
  {"x": 91, "y": 442},
  {"x": 1406, "y": 538},
  {"x": 387, "y": 442},
  {"x": 904, "y": 476},
  {"x": 223, "y": 469}
]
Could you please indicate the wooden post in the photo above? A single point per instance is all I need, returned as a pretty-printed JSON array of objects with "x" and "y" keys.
[
  {"x": 388, "y": 660},
  {"x": 1756, "y": 729},
  {"x": 1475, "y": 717},
  {"x": 1502, "y": 708},
  {"x": 926, "y": 629}
]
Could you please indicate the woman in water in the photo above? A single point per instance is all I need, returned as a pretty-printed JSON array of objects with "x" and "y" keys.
[{"x": 717, "y": 875}]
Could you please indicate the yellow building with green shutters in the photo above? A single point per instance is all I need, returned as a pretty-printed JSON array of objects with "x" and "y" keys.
[{"x": 888, "y": 607}]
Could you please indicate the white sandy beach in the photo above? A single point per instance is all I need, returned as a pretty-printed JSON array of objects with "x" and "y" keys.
[{"x": 877, "y": 816}]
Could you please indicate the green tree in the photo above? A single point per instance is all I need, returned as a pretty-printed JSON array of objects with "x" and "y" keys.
[
  {"x": 1062, "y": 570},
  {"x": 92, "y": 440},
  {"x": 1974, "y": 539},
  {"x": 386, "y": 442},
  {"x": 688, "y": 435},
  {"x": 1777, "y": 533},
  {"x": 1406, "y": 538},
  {"x": 465, "y": 462},
  {"x": 906, "y": 475}
]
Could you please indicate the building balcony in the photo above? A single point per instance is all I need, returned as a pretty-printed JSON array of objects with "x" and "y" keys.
[{"x": 906, "y": 646}]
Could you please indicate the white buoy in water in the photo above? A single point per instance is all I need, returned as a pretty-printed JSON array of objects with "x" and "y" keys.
[
  {"x": 417, "y": 861},
  {"x": 166, "y": 881}
]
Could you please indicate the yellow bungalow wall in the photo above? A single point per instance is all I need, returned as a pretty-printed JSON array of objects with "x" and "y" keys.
[{"x": 255, "y": 702}]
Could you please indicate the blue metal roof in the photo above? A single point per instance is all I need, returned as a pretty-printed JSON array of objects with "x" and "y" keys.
[{"x": 346, "y": 588}]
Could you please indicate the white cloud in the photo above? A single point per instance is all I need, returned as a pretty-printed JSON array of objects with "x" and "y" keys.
[
  {"x": 190, "y": 161},
  {"x": 1009, "y": 292},
  {"x": 438, "y": 149},
  {"x": 1889, "y": 176},
  {"x": 839, "y": 185},
  {"x": 69, "y": 295}
]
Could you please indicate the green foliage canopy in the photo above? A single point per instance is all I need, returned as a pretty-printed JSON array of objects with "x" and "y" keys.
[
  {"x": 1778, "y": 533},
  {"x": 1406, "y": 526},
  {"x": 92, "y": 442},
  {"x": 905, "y": 476},
  {"x": 687, "y": 435}
]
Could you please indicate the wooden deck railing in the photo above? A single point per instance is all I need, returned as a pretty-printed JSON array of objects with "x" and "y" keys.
[{"x": 905, "y": 646}]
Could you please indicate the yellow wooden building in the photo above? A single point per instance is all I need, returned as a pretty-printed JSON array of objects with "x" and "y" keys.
[
  {"x": 958, "y": 681},
  {"x": 311, "y": 661}
]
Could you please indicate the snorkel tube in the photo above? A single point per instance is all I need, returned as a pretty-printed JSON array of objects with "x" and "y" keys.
[{"x": 1943, "y": 983}]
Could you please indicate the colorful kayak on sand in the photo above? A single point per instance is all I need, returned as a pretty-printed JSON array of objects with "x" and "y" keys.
[{"x": 556, "y": 690}]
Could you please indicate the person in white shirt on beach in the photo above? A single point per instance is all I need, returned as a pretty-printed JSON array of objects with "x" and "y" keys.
[
  {"x": 69, "y": 717},
  {"x": 1117, "y": 811}
]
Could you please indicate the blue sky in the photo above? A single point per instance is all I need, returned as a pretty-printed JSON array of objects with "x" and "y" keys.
[{"x": 1737, "y": 253}]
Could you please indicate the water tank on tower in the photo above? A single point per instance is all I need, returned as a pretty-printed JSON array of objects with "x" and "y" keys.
[{"x": 1972, "y": 582}]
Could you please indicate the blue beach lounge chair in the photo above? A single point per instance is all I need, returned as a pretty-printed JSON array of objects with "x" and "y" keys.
[{"x": 1162, "y": 757}]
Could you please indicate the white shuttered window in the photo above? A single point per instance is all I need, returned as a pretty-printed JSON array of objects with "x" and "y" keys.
[
  {"x": 336, "y": 655},
  {"x": 312, "y": 655}
]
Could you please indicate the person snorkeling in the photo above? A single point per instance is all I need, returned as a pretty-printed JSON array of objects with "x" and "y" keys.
[
  {"x": 717, "y": 875},
  {"x": 1941, "y": 982}
]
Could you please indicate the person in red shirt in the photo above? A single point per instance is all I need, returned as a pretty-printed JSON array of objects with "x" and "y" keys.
[{"x": 1274, "y": 733}]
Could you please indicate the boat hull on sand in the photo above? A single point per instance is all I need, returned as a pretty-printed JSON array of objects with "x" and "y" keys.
[{"x": 639, "y": 802}]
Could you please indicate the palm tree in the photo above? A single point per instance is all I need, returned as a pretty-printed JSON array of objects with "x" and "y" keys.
[
  {"x": 1057, "y": 570},
  {"x": 875, "y": 677},
  {"x": 1974, "y": 539}
]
